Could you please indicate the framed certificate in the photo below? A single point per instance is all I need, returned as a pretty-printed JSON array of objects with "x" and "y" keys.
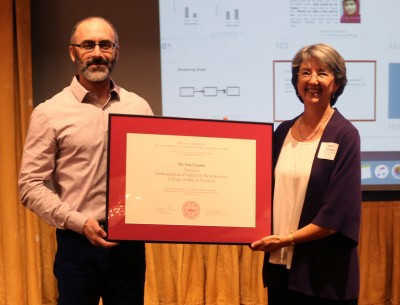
[{"x": 188, "y": 180}]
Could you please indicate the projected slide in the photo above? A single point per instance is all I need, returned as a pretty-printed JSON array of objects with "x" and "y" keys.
[{"x": 231, "y": 58}]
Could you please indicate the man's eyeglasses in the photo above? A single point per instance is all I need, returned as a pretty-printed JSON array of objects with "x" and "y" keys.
[
  {"x": 306, "y": 75},
  {"x": 89, "y": 45}
]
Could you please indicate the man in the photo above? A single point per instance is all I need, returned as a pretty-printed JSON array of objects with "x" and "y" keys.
[{"x": 67, "y": 145}]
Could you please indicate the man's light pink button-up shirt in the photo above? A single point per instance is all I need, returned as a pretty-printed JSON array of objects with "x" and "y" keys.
[{"x": 67, "y": 145}]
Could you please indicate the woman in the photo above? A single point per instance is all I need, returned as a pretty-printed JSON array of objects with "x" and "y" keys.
[
  {"x": 351, "y": 12},
  {"x": 311, "y": 258}
]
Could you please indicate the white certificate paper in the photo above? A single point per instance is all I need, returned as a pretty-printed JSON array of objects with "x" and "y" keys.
[{"x": 189, "y": 180}]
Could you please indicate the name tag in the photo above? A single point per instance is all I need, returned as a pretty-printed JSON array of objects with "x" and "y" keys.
[{"x": 328, "y": 150}]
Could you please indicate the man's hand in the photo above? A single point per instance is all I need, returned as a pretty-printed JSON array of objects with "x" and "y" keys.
[{"x": 95, "y": 234}]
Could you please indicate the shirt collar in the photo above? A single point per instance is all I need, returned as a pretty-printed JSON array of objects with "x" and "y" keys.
[{"x": 80, "y": 92}]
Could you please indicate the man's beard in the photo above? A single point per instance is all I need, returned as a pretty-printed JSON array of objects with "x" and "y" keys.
[{"x": 95, "y": 74}]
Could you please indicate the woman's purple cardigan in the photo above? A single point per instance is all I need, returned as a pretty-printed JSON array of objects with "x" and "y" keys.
[{"x": 327, "y": 267}]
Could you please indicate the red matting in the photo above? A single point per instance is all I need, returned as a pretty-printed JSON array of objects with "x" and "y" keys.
[{"x": 121, "y": 125}]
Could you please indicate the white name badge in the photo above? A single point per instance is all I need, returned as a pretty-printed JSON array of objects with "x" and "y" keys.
[{"x": 328, "y": 150}]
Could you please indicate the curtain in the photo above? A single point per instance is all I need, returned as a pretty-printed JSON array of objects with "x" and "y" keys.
[
  {"x": 179, "y": 274},
  {"x": 23, "y": 276},
  {"x": 380, "y": 253}
]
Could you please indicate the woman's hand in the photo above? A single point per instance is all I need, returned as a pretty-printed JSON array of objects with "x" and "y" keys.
[
  {"x": 270, "y": 243},
  {"x": 275, "y": 242}
]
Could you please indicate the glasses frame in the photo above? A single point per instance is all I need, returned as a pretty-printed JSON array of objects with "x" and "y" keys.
[
  {"x": 319, "y": 76},
  {"x": 113, "y": 45}
]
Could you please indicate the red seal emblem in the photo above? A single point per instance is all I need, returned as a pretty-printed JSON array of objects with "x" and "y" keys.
[{"x": 191, "y": 209}]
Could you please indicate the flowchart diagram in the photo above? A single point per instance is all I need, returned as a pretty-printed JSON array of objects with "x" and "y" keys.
[{"x": 209, "y": 91}]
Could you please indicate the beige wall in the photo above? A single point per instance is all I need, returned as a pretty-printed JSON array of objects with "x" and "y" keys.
[{"x": 138, "y": 69}]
